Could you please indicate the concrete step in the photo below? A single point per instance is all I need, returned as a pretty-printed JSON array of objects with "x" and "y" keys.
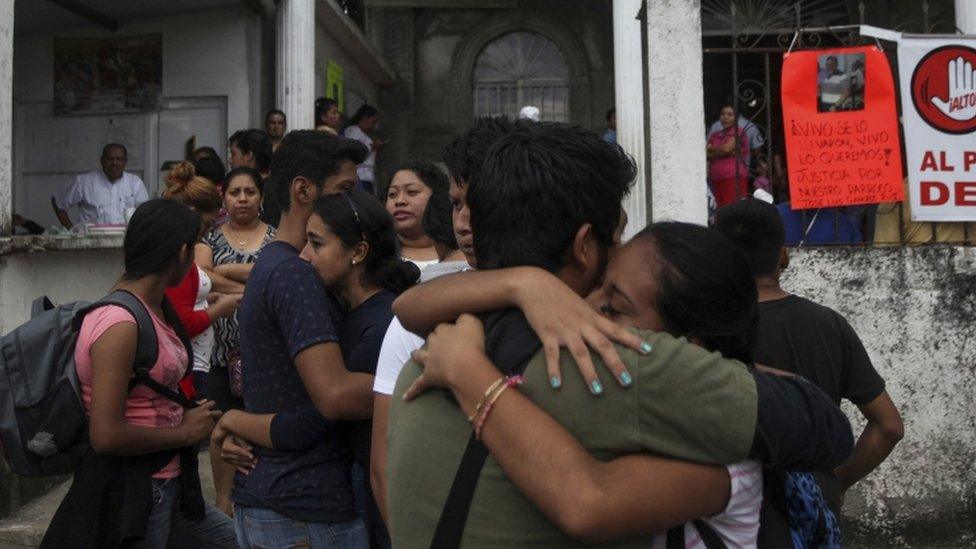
[{"x": 26, "y": 526}]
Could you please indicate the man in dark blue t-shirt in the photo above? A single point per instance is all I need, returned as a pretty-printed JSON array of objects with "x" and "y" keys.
[{"x": 289, "y": 346}]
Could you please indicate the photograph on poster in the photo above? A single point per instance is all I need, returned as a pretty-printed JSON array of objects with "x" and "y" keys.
[{"x": 840, "y": 82}]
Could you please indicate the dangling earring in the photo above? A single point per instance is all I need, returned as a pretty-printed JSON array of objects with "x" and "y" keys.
[{"x": 353, "y": 261}]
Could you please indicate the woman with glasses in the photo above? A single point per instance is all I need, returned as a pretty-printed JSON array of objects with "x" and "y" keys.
[{"x": 353, "y": 247}]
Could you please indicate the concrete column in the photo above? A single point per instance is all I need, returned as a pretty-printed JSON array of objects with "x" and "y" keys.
[
  {"x": 295, "y": 69},
  {"x": 6, "y": 113},
  {"x": 966, "y": 16},
  {"x": 676, "y": 111},
  {"x": 628, "y": 81}
]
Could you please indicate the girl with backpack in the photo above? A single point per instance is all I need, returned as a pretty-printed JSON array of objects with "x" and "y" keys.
[{"x": 139, "y": 486}]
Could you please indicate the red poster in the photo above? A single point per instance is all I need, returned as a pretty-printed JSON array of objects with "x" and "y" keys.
[{"x": 841, "y": 127}]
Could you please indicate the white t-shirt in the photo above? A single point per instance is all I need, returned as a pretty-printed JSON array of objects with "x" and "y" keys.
[
  {"x": 203, "y": 343},
  {"x": 100, "y": 201},
  {"x": 399, "y": 343},
  {"x": 738, "y": 523},
  {"x": 367, "y": 170}
]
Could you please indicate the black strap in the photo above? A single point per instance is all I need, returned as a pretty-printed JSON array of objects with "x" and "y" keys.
[
  {"x": 676, "y": 536},
  {"x": 510, "y": 343},
  {"x": 147, "y": 345},
  {"x": 41, "y": 305}
]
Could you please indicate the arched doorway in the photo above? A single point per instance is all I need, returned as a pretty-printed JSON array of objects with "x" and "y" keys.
[{"x": 517, "y": 69}]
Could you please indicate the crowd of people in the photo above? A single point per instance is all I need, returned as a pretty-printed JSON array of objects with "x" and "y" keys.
[{"x": 468, "y": 355}]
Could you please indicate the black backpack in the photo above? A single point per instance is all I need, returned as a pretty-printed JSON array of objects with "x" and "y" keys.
[{"x": 43, "y": 425}]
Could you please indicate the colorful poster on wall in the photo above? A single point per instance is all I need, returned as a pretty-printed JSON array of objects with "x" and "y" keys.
[
  {"x": 108, "y": 75},
  {"x": 938, "y": 101},
  {"x": 334, "y": 84},
  {"x": 841, "y": 127}
]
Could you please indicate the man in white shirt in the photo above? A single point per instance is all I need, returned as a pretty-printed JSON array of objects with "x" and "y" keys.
[
  {"x": 102, "y": 197},
  {"x": 463, "y": 158}
]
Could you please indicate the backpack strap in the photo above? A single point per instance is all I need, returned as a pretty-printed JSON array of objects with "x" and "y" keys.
[
  {"x": 711, "y": 539},
  {"x": 510, "y": 343},
  {"x": 147, "y": 345}
]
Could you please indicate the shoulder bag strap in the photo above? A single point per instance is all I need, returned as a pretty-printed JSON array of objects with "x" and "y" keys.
[{"x": 510, "y": 343}]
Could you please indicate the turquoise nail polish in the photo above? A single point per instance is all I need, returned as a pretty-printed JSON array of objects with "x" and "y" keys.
[
  {"x": 596, "y": 388},
  {"x": 625, "y": 379},
  {"x": 555, "y": 382},
  {"x": 645, "y": 347}
]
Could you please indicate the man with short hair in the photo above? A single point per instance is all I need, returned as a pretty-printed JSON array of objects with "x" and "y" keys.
[
  {"x": 275, "y": 125},
  {"x": 549, "y": 195},
  {"x": 102, "y": 197},
  {"x": 289, "y": 341},
  {"x": 813, "y": 341}
]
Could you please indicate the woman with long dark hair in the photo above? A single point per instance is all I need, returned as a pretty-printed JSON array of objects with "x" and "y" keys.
[
  {"x": 361, "y": 125},
  {"x": 407, "y": 193},
  {"x": 353, "y": 248},
  {"x": 677, "y": 278},
  {"x": 140, "y": 483}
]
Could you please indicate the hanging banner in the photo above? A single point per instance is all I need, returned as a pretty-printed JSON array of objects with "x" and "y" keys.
[
  {"x": 841, "y": 128},
  {"x": 938, "y": 101}
]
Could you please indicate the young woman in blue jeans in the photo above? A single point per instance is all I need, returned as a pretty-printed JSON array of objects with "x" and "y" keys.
[{"x": 139, "y": 486}]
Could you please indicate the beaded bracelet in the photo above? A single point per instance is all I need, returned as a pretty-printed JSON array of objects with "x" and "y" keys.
[
  {"x": 512, "y": 381},
  {"x": 484, "y": 398}
]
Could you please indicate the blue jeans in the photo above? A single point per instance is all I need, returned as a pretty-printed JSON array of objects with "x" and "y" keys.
[
  {"x": 266, "y": 529},
  {"x": 167, "y": 527}
]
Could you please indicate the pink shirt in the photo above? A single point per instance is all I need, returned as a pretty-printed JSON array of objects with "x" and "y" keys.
[
  {"x": 724, "y": 167},
  {"x": 738, "y": 523},
  {"x": 143, "y": 406}
]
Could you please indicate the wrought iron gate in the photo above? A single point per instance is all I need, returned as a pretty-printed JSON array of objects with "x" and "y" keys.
[{"x": 744, "y": 42}]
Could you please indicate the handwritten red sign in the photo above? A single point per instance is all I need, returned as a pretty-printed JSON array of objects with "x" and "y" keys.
[{"x": 841, "y": 128}]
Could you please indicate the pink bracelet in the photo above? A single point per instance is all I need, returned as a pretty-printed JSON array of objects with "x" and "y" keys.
[{"x": 511, "y": 381}]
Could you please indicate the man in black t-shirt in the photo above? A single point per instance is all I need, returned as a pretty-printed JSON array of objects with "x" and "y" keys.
[{"x": 808, "y": 339}]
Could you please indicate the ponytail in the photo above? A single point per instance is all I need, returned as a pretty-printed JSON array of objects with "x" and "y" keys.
[
  {"x": 355, "y": 217},
  {"x": 157, "y": 232},
  {"x": 184, "y": 185}
]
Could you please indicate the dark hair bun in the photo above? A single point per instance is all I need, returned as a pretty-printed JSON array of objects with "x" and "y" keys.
[{"x": 396, "y": 275}]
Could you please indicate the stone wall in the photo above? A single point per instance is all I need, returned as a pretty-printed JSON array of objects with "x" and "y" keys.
[
  {"x": 433, "y": 52},
  {"x": 915, "y": 310}
]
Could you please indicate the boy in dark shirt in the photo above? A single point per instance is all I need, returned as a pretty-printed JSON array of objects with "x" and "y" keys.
[
  {"x": 816, "y": 342},
  {"x": 289, "y": 343}
]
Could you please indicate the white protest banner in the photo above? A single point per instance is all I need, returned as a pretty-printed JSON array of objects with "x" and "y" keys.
[{"x": 938, "y": 102}]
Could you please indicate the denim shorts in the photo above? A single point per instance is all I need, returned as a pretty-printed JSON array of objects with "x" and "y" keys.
[{"x": 266, "y": 529}]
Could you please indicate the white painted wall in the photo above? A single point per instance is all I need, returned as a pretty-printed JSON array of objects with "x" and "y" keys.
[
  {"x": 214, "y": 55},
  {"x": 64, "y": 276},
  {"x": 674, "y": 79},
  {"x": 915, "y": 310}
]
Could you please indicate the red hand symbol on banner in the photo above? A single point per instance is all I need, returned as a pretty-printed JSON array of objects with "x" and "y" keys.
[{"x": 961, "y": 104}]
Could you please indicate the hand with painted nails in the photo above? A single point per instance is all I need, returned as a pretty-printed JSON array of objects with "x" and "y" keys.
[
  {"x": 561, "y": 318},
  {"x": 450, "y": 348}
]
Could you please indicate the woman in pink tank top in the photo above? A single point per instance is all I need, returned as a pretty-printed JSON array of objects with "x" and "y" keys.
[{"x": 140, "y": 483}]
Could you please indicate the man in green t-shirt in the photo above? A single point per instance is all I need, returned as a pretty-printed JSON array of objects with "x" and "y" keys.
[{"x": 682, "y": 401}]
